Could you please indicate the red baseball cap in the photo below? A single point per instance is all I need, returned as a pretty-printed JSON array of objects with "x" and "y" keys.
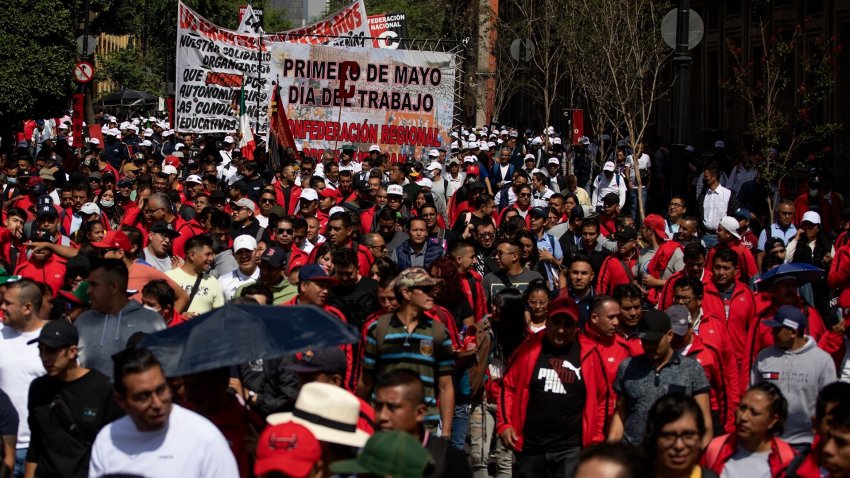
[
  {"x": 564, "y": 305},
  {"x": 472, "y": 170},
  {"x": 289, "y": 448},
  {"x": 656, "y": 223},
  {"x": 114, "y": 240},
  {"x": 328, "y": 193}
]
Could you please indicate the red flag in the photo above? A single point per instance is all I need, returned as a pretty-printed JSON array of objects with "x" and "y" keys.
[
  {"x": 278, "y": 124},
  {"x": 77, "y": 112}
]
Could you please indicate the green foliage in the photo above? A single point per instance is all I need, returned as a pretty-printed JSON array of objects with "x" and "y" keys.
[
  {"x": 128, "y": 70},
  {"x": 274, "y": 19},
  {"x": 36, "y": 57},
  {"x": 780, "y": 114}
]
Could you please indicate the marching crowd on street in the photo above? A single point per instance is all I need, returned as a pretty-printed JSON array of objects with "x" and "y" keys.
[{"x": 525, "y": 307}]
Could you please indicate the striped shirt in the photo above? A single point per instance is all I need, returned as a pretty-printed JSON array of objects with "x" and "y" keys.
[{"x": 416, "y": 351}]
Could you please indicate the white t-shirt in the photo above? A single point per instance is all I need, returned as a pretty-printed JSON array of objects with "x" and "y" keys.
[
  {"x": 189, "y": 446},
  {"x": 231, "y": 281},
  {"x": 744, "y": 464},
  {"x": 643, "y": 163},
  {"x": 20, "y": 364},
  {"x": 209, "y": 294}
]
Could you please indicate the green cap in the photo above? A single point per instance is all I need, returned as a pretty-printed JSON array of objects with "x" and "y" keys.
[
  {"x": 390, "y": 453},
  {"x": 5, "y": 278},
  {"x": 80, "y": 295}
]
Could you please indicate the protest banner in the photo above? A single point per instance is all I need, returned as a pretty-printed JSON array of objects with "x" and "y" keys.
[
  {"x": 400, "y": 99},
  {"x": 213, "y": 64},
  {"x": 386, "y": 30}
]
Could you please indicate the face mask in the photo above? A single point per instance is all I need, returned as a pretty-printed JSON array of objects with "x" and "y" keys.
[
  {"x": 11, "y": 180},
  {"x": 105, "y": 203},
  {"x": 150, "y": 308}
]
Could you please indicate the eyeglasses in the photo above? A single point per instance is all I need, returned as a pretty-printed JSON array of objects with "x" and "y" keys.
[
  {"x": 382, "y": 247},
  {"x": 485, "y": 234},
  {"x": 424, "y": 288},
  {"x": 684, "y": 299},
  {"x": 676, "y": 204},
  {"x": 689, "y": 437},
  {"x": 267, "y": 200},
  {"x": 524, "y": 195}
]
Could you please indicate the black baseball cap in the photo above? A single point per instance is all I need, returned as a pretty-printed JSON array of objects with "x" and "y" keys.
[
  {"x": 611, "y": 198},
  {"x": 327, "y": 360},
  {"x": 653, "y": 325},
  {"x": 57, "y": 334},
  {"x": 627, "y": 233},
  {"x": 162, "y": 227},
  {"x": 275, "y": 256}
]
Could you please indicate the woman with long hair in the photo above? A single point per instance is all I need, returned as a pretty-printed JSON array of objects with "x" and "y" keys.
[
  {"x": 509, "y": 331},
  {"x": 754, "y": 449},
  {"x": 114, "y": 213},
  {"x": 674, "y": 434},
  {"x": 89, "y": 232},
  {"x": 383, "y": 269}
]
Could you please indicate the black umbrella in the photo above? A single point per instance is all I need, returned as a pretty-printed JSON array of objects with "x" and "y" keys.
[
  {"x": 237, "y": 334},
  {"x": 127, "y": 97}
]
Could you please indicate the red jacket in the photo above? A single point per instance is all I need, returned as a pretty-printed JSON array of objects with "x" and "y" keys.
[
  {"x": 760, "y": 336},
  {"x": 722, "y": 373},
  {"x": 186, "y": 230},
  {"x": 612, "y": 350},
  {"x": 364, "y": 258},
  {"x": 510, "y": 413},
  {"x": 665, "y": 298},
  {"x": 741, "y": 315},
  {"x": 747, "y": 268},
  {"x": 829, "y": 211},
  {"x": 294, "y": 196},
  {"x": 839, "y": 269},
  {"x": 475, "y": 297},
  {"x": 612, "y": 273},
  {"x": 834, "y": 344},
  {"x": 51, "y": 272},
  {"x": 721, "y": 449}
]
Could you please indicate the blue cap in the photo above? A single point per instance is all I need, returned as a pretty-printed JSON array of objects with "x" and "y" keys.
[
  {"x": 315, "y": 273},
  {"x": 742, "y": 213},
  {"x": 788, "y": 316}
]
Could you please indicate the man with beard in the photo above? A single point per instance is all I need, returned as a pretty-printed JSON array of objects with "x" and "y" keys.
[
  {"x": 158, "y": 251},
  {"x": 389, "y": 228}
]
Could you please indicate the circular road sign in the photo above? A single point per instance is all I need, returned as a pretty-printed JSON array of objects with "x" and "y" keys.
[
  {"x": 695, "y": 28},
  {"x": 83, "y": 72}
]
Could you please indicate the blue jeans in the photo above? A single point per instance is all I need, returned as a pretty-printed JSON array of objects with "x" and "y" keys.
[
  {"x": 710, "y": 240},
  {"x": 20, "y": 462},
  {"x": 632, "y": 201},
  {"x": 460, "y": 426},
  {"x": 559, "y": 464}
]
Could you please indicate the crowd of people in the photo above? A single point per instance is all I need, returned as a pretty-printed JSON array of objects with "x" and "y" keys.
[{"x": 526, "y": 307}]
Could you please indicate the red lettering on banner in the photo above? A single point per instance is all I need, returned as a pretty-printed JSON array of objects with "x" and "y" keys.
[{"x": 224, "y": 79}]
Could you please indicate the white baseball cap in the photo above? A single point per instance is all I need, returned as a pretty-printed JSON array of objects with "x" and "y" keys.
[
  {"x": 375, "y": 147},
  {"x": 483, "y": 146},
  {"x": 90, "y": 208},
  {"x": 309, "y": 194},
  {"x": 528, "y": 156},
  {"x": 609, "y": 166},
  {"x": 229, "y": 139},
  {"x": 424, "y": 183},
  {"x": 167, "y": 133},
  {"x": 169, "y": 169},
  {"x": 556, "y": 140},
  {"x": 148, "y": 132},
  {"x": 246, "y": 203},
  {"x": 553, "y": 161},
  {"x": 395, "y": 189},
  {"x": 720, "y": 144},
  {"x": 335, "y": 210},
  {"x": 812, "y": 217},
  {"x": 731, "y": 225},
  {"x": 94, "y": 141},
  {"x": 434, "y": 166},
  {"x": 179, "y": 146},
  {"x": 146, "y": 143},
  {"x": 469, "y": 159},
  {"x": 244, "y": 242},
  {"x": 193, "y": 178},
  {"x": 434, "y": 153}
]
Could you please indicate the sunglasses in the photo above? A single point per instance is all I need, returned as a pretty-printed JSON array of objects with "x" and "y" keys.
[
  {"x": 266, "y": 200},
  {"x": 285, "y": 231},
  {"x": 424, "y": 288}
]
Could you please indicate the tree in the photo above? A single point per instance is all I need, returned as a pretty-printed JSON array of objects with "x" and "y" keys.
[
  {"x": 128, "y": 70},
  {"x": 36, "y": 58},
  {"x": 547, "y": 24},
  {"x": 782, "y": 116},
  {"x": 631, "y": 57}
]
